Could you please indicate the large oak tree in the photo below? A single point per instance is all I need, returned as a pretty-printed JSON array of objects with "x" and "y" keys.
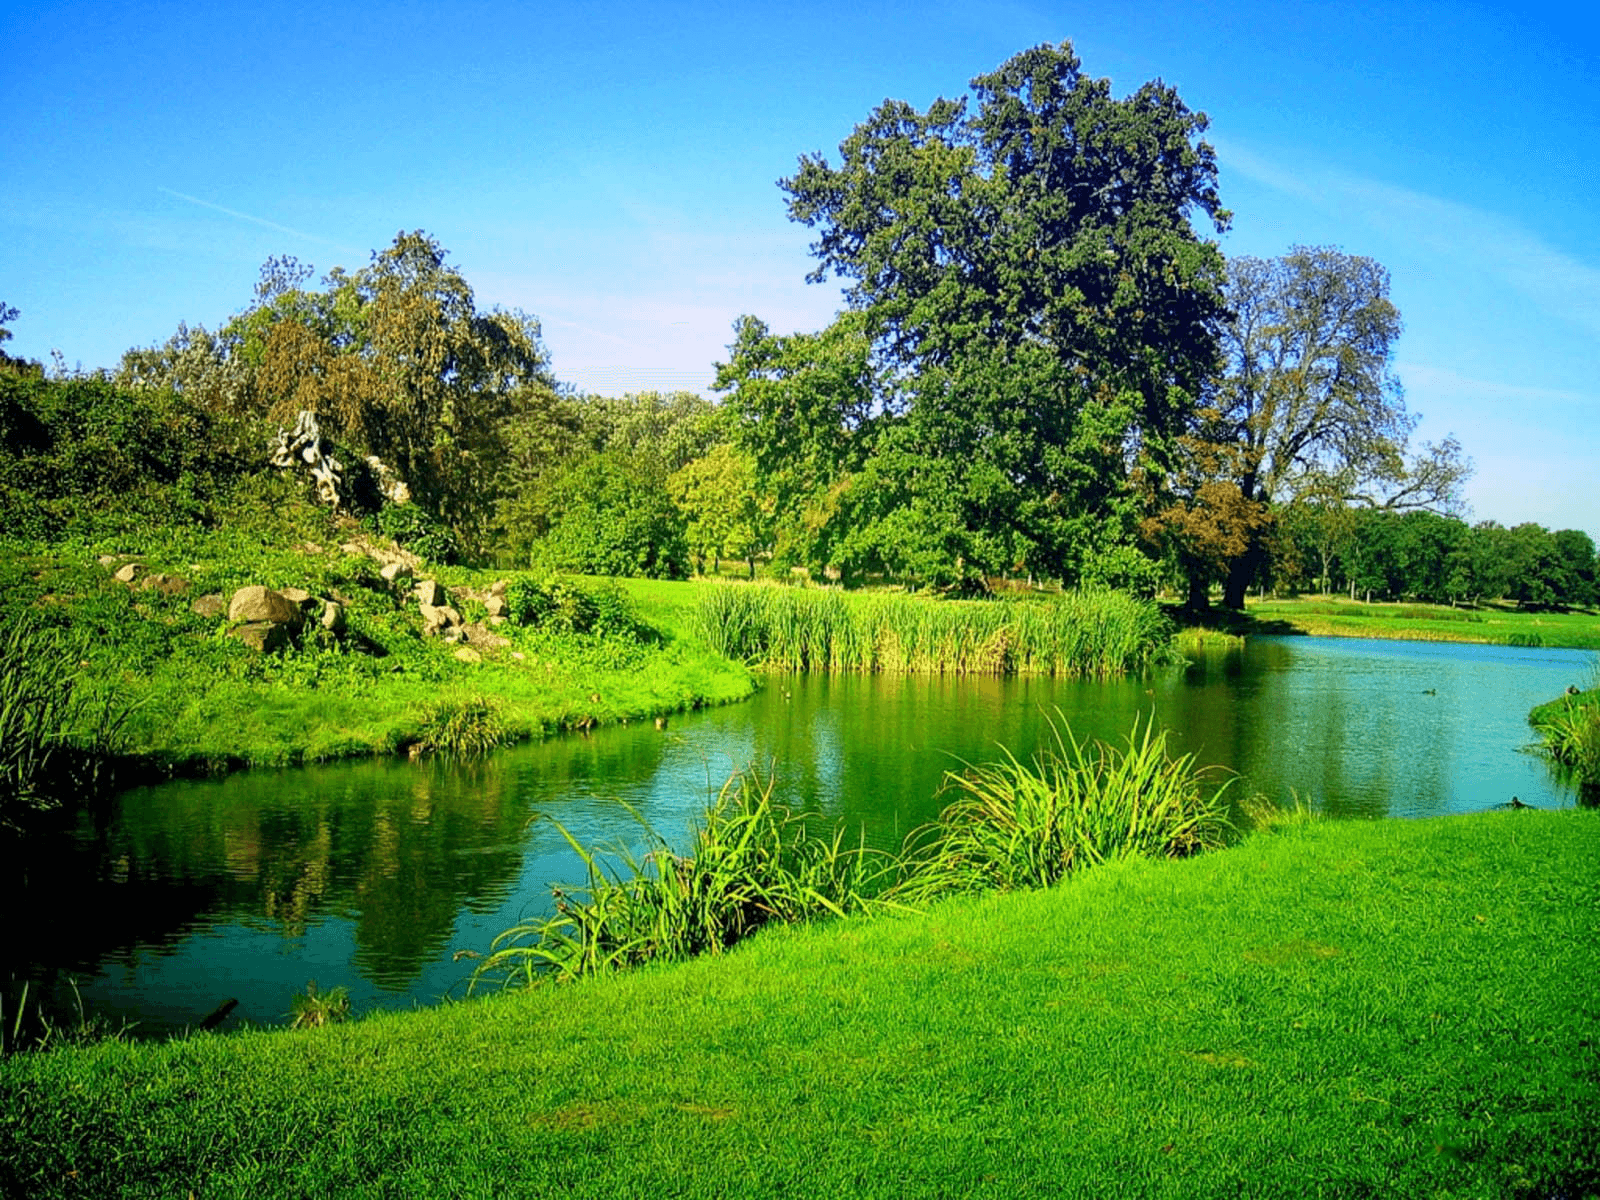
[
  {"x": 1039, "y": 309},
  {"x": 1308, "y": 410}
]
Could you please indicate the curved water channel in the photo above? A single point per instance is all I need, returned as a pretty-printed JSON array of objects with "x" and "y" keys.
[{"x": 375, "y": 875}]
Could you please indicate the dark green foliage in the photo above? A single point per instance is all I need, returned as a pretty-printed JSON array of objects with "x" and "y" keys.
[
  {"x": 1434, "y": 559},
  {"x": 82, "y": 454},
  {"x": 419, "y": 531},
  {"x": 607, "y": 514},
  {"x": 1031, "y": 315},
  {"x": 564, "y": 607}
]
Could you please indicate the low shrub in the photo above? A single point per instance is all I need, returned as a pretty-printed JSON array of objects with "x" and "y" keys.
[
  {"x": 751, "y": 863},
  {"x": 1016, "y": 825}
]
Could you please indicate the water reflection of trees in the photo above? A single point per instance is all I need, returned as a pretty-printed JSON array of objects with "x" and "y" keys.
[{"x": 397, "y": 849}]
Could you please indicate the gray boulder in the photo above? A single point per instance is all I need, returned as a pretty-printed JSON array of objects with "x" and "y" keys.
[
  {"x": 439, "y": 620},
  {"x": 257, "y": 603},
  {"x": 213, "y": 605},
  {"x": 430, "y": 593},
  {"x": 395, "y": 571},
  {"x": 333, "y": 617}
]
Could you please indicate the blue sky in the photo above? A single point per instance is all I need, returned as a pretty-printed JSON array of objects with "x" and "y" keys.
[{"x": 612, "y": 170}]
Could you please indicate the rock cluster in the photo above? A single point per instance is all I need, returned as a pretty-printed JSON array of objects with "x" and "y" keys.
[{"x": 265, "y": 619}]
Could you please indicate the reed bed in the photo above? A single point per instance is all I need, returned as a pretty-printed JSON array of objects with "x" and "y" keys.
[
  {"x": 1075, "y": 805},
  {"x": 1091, "y": 633},
  {"x": 57, "y": 741},
  {"x": 751, "y": 862},
  {"x": 1570, "y": 731}
]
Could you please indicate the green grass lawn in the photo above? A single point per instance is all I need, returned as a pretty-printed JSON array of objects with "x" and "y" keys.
[
  {"x": 1334, "y": 1009},
  {"x": 1495, "y": 624}
]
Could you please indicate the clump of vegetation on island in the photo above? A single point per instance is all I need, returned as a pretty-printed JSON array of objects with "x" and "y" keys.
[{"x": 1569, "y": 730}]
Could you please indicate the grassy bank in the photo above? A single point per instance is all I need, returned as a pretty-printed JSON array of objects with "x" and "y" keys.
[
  {"x": 1501, "y": 625},
  {"x": 201, "y": 699},
  {"x": 1335, "y": 1009},
  {"x": 1080, "y": 633}
]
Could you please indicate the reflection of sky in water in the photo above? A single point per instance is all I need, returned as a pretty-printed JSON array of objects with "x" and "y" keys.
[{"x": 373, "y": 875}]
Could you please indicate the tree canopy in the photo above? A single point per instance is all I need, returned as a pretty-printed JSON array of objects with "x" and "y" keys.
[
  {"x": 395, "y": 359},
  {"x": 1031, "y": 316},
  {"x": 1307, "y": 409}
]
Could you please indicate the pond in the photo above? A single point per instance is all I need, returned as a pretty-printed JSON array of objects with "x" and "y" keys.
[{"x": 384, "y": 876}]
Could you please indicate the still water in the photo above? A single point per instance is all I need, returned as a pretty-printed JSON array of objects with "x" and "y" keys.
[{"x": 375, "y": 875}]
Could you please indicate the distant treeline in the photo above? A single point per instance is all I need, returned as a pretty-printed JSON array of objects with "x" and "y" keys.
[{"x": 1377, "y": 554}]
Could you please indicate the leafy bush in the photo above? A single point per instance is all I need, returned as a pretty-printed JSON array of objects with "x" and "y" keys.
[
  {"x": 84, "y": 454},
  {"x": 608, "y": 514},
  {"x": 558, "y": 606},
  {"x": 419, "y": 531}
]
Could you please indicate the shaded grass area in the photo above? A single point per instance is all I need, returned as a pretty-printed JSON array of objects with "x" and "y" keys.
[
  {"x": 1489, "y": 624},
  {"x": 1078, "y": 633},
  {"x": 1334, "y": 1009}
]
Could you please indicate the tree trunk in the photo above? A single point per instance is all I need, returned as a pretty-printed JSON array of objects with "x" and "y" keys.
[
  {"x": 1199, "y": 591},
  {"x": 1237, "y": 583}
]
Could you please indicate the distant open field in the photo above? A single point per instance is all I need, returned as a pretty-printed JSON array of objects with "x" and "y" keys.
[{"x": 1490, "y": 623}]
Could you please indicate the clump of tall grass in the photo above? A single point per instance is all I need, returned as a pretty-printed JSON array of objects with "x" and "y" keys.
[
  {"x": 1197, "y": 640},
  {"x": 1028, "y": 825},
  {"x": 312, "y": 1009},
  {"x": 1091, "y": 632},
  {"x": 56, "y": 739},
  {"x": 1570, "y": 730},
  {"x": 751, "y": 863},
  {"x": 461, "y": 727}
]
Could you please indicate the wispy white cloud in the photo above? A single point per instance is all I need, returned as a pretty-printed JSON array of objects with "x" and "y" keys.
[
  {"x": 261, "y": 221},
  {"x": 1441, "y": 382},
  {"x": 1473, "y": 239}
]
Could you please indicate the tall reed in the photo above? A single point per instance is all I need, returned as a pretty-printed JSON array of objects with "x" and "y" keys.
[
  {"x": 1015, "y": 825},
  {"x": 57, "y": 739},
  {"x": 752, "y": 862},
  {"x": 1571, "y": 736},
  {"x": 1083, "y": 633}
]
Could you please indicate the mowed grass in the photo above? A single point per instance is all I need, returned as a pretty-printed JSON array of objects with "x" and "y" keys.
[
  {"x": 1489, "y": 624},
  {"x": 1332, "y": 1009}
]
